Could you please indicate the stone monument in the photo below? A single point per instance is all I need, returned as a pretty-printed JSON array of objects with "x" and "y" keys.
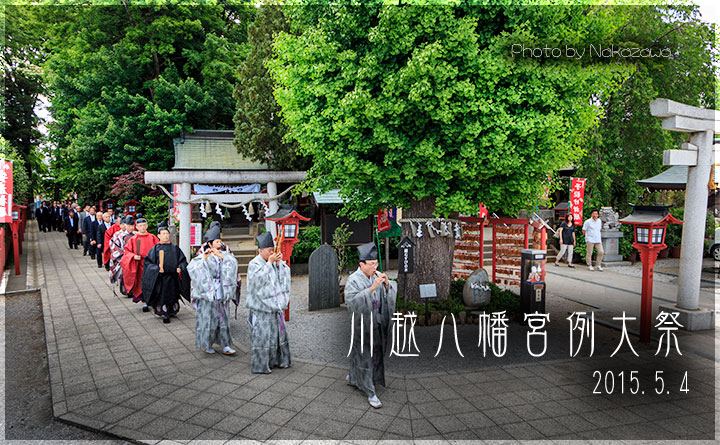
[
  {"x": 323, "y": 283},
  {"x": 477, "y": 289},
  {"x": 611, "y": 235}
]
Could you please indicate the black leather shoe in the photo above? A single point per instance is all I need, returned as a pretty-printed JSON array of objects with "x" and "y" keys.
[
  {"x": 100, "y": 266},
  {"x": 84, "y": 253},
  {"x": 146, "y": 309},
  {"x": 166, "y": 320}
]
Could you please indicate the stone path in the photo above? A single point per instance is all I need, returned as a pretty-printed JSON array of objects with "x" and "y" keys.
[{"x": 116, "y": 369}]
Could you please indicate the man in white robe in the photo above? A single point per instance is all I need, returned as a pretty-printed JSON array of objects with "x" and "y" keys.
[
  {"x": 370, "y": 296},
  {"x": 268, "y": 294}
]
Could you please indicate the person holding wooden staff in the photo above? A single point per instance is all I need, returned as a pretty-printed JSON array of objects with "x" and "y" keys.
[
  {"x": 268, "y": 294},
  {"x": 165, "y": 276},
  {"x": 213, "y": 272},
  {"x": 136, "y": 249}
]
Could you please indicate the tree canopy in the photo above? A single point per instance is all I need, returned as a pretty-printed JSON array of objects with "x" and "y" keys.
[
  {"x": 627, "y": 143},
  {"x": 259, "y": 131},
  {"x": 126, "y": 80},
  {"x": 22, "y": 56},
  {"x": 400, "y": 103}
]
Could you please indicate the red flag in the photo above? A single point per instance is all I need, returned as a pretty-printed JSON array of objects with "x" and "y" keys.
[
  {"x": 383, "y": 222},
  {"x": 6, "y": 191},
  {"x": 577, "y": 197}
]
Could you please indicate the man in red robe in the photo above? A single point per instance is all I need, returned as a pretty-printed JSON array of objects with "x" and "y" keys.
[
  {"x": 108, "y": 238},
  {"x": 136, "y": 249}
]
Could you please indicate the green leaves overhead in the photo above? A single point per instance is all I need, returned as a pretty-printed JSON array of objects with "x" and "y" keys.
[
  {"x": 400, "y": 103},
  {"x": 259, "y": 131},
  {"x": 127, "y": 80}
]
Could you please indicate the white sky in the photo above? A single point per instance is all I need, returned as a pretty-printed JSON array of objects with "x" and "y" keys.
[{"x": 710, "y": 10}]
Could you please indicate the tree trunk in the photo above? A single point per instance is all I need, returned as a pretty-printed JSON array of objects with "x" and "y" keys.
[{"x": 433, "y": 256}]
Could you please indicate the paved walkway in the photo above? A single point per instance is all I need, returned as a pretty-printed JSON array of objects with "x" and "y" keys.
[{"x": 116, "y": 369}]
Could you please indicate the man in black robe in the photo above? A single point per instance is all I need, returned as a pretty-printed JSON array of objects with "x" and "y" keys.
[{"x": 165, "y": 276}]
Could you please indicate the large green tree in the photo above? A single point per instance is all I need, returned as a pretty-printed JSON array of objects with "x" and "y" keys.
[
  {"x": 22, "y": 56},
  {"x": 125, "y": 79},
  {"x": 627, "y": 143},
  {"x": 259, "y": 131},
  {"x": 423, "y": 107}
]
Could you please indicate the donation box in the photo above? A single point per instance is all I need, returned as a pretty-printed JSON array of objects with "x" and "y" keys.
[{"x": 532, "y": 288}]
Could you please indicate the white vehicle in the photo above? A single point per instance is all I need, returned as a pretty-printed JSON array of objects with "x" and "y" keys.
[{"x": 715, "y": 246}]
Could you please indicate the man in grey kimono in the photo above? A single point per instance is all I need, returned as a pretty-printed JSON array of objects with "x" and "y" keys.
[
  {"x": 268, "y": 294},
  {"x": 368, "y": 292},
  {"x": 213, "y": 275}
]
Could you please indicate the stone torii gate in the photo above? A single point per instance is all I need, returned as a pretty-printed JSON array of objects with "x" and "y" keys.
[
  {"x": 698, "y": 155},
  {"x": 221, "y": 177}
]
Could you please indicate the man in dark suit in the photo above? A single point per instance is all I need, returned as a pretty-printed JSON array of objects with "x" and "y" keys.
[
  {"x": 86, "y": 228},
  {"x": 42, "y": 216},
  {"x": 100, "y": 238},
  {"x": 94, "y": 226},
  {"x": 72, "y": 229}
]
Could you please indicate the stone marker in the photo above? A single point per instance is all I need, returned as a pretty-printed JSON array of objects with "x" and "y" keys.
[
  {"x": 324, "y": 288},
  {"x": 477, "y": 289}
]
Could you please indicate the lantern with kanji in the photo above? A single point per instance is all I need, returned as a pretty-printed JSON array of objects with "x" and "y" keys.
[
  {"x": 287, "y": 222},
  {"x": 649, "y": 226}
]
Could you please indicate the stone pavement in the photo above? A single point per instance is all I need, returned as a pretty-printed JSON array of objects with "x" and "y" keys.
[{"x": 116, "y": 369}]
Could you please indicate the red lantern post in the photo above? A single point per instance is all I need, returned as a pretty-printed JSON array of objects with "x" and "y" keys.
[
  {"x": 649, "y": 226},
  {"x": 287, "y": 223}
]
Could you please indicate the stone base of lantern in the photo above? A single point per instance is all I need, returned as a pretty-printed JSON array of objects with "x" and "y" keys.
[
  {"x": 698, "y": 320},
  {"x": 611, "y": 246}
]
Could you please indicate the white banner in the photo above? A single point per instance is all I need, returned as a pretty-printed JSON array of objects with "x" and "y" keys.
[{"x": 201, "y": 189}]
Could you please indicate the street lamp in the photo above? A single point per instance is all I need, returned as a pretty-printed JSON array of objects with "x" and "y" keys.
[{"x": 650, "y": 226}]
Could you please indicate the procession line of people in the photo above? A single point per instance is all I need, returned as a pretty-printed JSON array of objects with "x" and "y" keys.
[{"x": 151, "y": 270}]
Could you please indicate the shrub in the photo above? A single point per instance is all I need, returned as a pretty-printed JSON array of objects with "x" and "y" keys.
[
  {"x": 500, "y": 300},
  {"x": 308, "y": 241},
  {"x": 344, "y": 252},
  {"x": 154, "y": 209},
  {"x": 626, "y": 242}
]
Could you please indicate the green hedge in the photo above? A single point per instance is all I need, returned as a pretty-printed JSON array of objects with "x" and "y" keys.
[{"x": 308, "y": 241}]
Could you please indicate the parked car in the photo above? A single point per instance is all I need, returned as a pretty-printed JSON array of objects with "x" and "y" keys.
[{"x": 714, "y": 249}]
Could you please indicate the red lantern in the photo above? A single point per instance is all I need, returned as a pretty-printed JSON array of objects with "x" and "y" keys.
[
  {"x": 649, "y": 226},
  {"x": 287, "y": 223}
]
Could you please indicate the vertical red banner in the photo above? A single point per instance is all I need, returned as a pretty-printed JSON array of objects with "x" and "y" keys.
[
  {"x": 6, "y": 191},
  {"x": 382, "y": 220},
  {"x": 577, "y": 196}
]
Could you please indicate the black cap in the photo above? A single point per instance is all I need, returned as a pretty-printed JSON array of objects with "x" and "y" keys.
[
  {"x": 213, "y": 232},
  {"x": 129, "y": 220},
  {"x": 265, "y": 240},
  {"x": 139, "y": 218},
  {"x": 162, "y": 225},
  {"x": 367, "y": 252}
]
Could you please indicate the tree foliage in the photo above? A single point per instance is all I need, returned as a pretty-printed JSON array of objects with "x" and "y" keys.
[
  {"x": 21, "y": 180},
  {"x": 127, "y": 79},
  {"x": 130, "y": 184},
  {"x": 22, "y": 56},
  {"x": 259, "y": 131},
  {"x": 399, "y": 103},
  {"x": 628, "y": 142}
]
